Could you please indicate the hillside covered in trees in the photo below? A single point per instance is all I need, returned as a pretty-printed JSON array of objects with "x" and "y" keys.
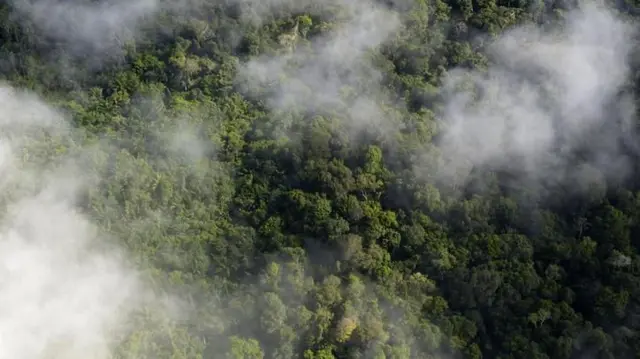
[{"x": 319, "y": 179}]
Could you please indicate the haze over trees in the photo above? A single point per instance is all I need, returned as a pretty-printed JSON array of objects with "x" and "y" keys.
[{"x": 319, "y": 179}]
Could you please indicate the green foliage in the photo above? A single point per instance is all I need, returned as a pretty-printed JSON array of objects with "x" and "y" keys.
[{"x": 314, "y": 244}]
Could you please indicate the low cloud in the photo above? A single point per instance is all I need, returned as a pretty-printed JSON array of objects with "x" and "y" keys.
[
  {"x": 552, "y": 105},
  {"x": 334, "y": 73},
  {"x": 67, "y": 288},
  {"x": 87, "y": 27}
]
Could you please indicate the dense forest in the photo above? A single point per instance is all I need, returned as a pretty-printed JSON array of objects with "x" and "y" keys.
[{"x": 319, "y": 179}]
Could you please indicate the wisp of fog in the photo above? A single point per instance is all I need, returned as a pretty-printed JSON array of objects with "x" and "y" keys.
[
  {"x": 331, "y": 74},
  {"x": 62, "y": 294},
  {"x": 551, "y": 105},
  {"x": 87, "y": 27}
]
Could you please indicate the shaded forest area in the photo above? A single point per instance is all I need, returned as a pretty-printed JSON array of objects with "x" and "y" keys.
[{"x": 338, "y": 197}]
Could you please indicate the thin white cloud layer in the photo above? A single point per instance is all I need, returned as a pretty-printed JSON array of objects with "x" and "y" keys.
[
  {"x": 550, "y": 102},
  {"x": 66, "y": 290},
  {"x": 332, "y": 73},
  {"x": 88, "y": 26}
]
